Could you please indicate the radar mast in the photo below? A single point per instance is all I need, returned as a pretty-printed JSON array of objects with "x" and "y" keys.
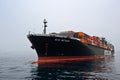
[{"x": 45, "y": 25}]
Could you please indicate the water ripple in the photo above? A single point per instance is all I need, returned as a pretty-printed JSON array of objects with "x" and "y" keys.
[{"x": 21, "y": 69}]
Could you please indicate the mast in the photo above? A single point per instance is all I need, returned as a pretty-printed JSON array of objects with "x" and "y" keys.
[{"x": 45, "y": 25}]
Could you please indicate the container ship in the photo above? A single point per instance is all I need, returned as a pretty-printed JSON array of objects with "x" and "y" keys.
[{"x": 69, "y": 45}]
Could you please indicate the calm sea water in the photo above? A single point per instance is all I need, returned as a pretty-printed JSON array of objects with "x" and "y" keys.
[{"x": 17, "y": 66}]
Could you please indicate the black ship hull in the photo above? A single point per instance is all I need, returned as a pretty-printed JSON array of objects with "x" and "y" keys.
[{"x": 49, "y": 46}]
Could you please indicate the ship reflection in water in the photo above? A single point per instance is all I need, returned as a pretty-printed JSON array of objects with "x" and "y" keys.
[{"x": 99, "y": 69}]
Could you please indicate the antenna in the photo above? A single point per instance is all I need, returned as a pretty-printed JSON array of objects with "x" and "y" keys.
[{"x": 45, "y": 22}]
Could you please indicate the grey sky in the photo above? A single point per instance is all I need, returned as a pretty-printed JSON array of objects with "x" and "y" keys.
[{"x": 94, "y": 17}]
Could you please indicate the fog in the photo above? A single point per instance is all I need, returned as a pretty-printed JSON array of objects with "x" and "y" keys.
[{"x": 94, "y": 17}]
